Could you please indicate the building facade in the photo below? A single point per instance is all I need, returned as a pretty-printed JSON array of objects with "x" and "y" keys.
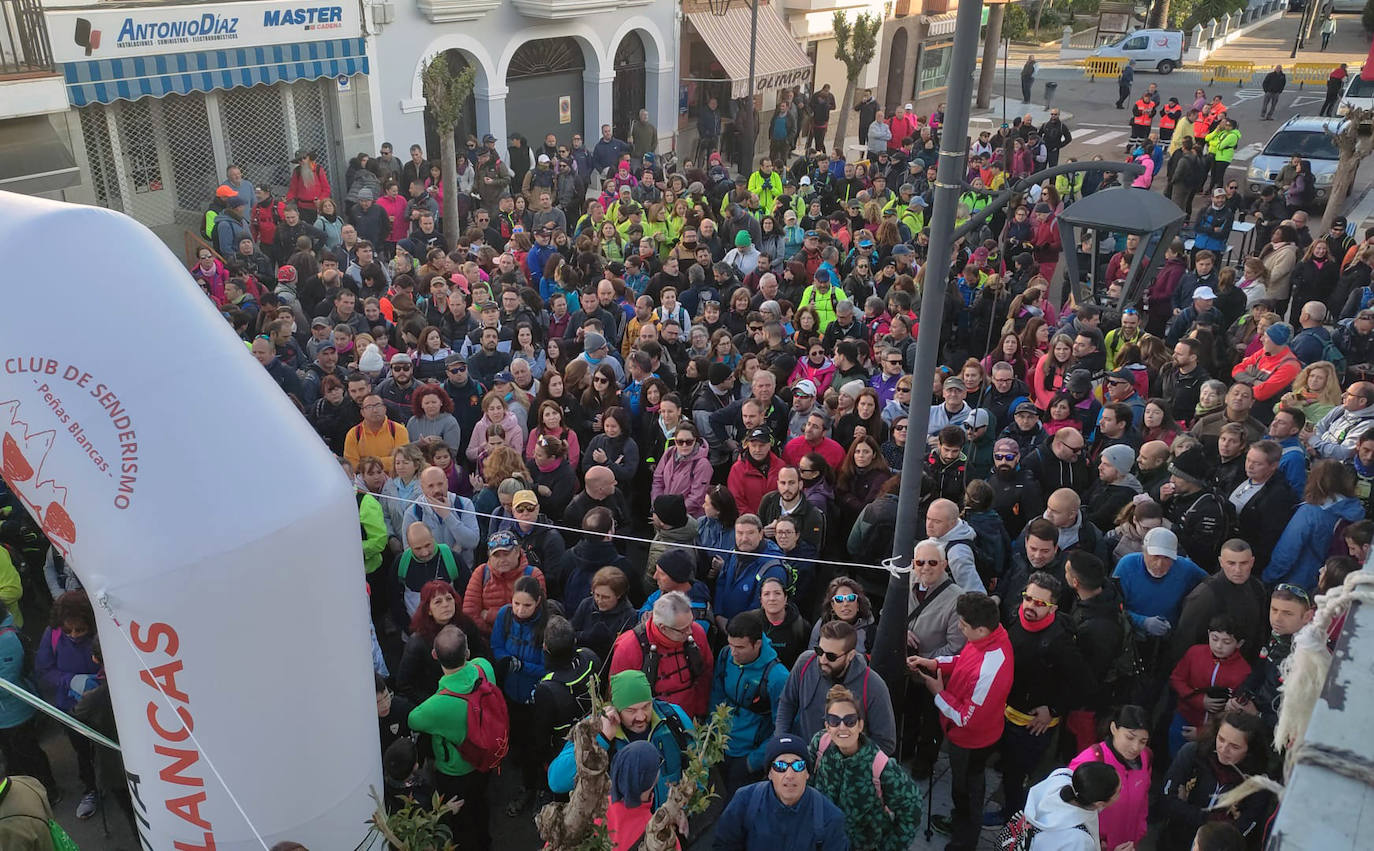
[
  {"x": 162, "y": 99},
  {"x": 542, "y": 66}
]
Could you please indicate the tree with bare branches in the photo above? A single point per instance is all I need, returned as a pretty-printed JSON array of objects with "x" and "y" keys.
[{"x": 1355, "y": 141}]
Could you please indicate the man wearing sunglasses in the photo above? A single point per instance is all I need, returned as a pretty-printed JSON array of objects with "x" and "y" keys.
[
  {"x": 1290, "y": 609},
  {"x": 1016, "y": 495},
  {"x": 782, "y": 811},
  {"x": 466, "y": 393},
  {"x": 1058, "y": 463},
  {"x": 1047, "y": 667},
  {"x": 835, "y": 660}
]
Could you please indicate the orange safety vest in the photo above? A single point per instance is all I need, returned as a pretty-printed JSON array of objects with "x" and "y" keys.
[
  {"x": 1208, "y": 118},
  {"x": 1169, "y": 117},
  {"x": 1144, "y": 107}
]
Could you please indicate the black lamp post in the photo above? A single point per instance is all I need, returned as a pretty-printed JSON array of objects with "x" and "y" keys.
[{"x": 719, "y": 8}]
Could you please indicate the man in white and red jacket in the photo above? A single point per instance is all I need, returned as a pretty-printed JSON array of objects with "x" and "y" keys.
[
  {"x": 970, "y": 692},
  {"x": 670, "y": 648}
]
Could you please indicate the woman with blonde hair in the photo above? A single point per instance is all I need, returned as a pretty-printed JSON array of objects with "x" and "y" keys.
[
  {"x": 1316, "y": 391},
  {"x": 1254, "y": 281}
]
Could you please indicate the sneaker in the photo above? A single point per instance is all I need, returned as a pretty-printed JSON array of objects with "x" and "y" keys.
[
  {"x": 55, "y": 796},
  {"x": 943, "y": 825},
  {"x": 86, "y": 808},
  {"x": 994, "y": 818}
]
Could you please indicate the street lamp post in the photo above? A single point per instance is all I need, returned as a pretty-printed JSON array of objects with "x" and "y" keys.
[{"x": 719, "y": 8}]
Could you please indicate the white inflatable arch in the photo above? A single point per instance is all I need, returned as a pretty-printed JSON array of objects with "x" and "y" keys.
[{"x": 210, "y": 526}]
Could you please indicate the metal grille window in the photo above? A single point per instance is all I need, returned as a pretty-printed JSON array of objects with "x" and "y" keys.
[
  {"x": 254, "y": 132},
  {"x": 310, "y": 123},
  {"x": 188, "y": 142}
]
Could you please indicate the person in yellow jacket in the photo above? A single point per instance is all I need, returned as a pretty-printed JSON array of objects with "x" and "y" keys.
[
  {"x": 1222, "y": 143},
  {"x": 766, "y": 185},
  {"x": 1069, "y": 186},
  {"x": 913, "y": 215},
  {"x": 1182, "y": 130},
  {"x": 823, "y": 297}
]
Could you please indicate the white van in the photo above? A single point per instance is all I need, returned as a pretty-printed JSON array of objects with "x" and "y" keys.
[{"x": 1160, "y": 50}]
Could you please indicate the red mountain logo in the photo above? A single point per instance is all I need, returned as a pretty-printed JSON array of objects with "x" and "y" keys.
[{"x": 21, "y": 462}]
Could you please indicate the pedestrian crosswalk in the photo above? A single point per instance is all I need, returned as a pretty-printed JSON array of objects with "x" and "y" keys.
[{"x": 1111, "y": 136}]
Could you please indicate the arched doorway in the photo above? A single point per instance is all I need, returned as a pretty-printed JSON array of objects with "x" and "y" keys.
[
  {"x": 896, "y": 71},
  {"x": 544, "y": 82},
  {"x": 629, "y": 92},
  {"x": 467, "y": 123}
]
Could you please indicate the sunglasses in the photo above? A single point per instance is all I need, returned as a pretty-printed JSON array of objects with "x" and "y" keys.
[
  {"x": 826, "y": 655},
  {"x": 601, "y": 379},
  {"x": 459, "y": 368},
  {"x": 401, "y": 366},
  {"x": 781, "y": 765},
  {"x": 832, "y": 720},
  {"x": 924, "y": 562},
  {"x": 1296, "y": 590},
  {"x": 1075, "y": 449},
  {"x": 845, "y": 598},
  {"x": 1032, "y": 601},
  {"x": 685, "y": 442},
  {"x": 901, "y": 427}
]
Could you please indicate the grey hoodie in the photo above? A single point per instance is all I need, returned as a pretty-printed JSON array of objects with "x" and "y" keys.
[
  {"x": 1339, "y": 431},
  {"x": 801, "y": 710},
  {"x": 962, "y": 565}
]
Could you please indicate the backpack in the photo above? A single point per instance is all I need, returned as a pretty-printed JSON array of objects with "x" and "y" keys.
[
  {"x": 761, "y": 704},
  {"x": 1330, "y": 352},
  {"x": 650, "y": 657},
  {"x": 445, "y": 555},
  {"x": 488, "y": 736},
  {"x": 1018, "y": 834},
  {"x": 880, "y": 761},
  {"x": 1126, "y": 666},
  {"x": 985, "y": 558}
]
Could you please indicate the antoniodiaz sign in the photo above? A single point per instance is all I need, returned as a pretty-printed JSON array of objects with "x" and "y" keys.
[{"x": 98, "y": 33}]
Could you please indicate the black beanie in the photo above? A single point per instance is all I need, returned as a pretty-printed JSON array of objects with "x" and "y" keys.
[
  {"x": 671, "y": 508},
  {"x": 718, "y": 373},
  {"x": 678, "y": 565}
]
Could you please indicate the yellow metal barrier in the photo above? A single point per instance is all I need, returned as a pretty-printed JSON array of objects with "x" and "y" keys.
[
  {"x": 1228, "y": 72},
  {"x": 1310, "y": 72},
  {"x": 1103, "y": 66}
]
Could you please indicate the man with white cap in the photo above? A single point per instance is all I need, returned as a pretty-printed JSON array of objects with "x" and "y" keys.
[
  {"x": 1201, "y": 312},
  {"x": 1155, "y": 581},
  {"x": 1115, "y": 486},
  {"x": 803, "y": 405}
]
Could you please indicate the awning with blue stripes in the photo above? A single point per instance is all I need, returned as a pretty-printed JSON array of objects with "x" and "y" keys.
[{"x": 109, "y": 80}]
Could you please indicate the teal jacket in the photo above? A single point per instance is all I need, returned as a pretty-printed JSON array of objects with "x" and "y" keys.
[
  {"x": 670, "y": 730},
  {"x": 753, "y": 692},
  {"x": 13, "y": 711}
]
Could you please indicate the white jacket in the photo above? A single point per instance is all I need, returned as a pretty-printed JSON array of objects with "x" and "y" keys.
[{"x": 1062, "y": 826}]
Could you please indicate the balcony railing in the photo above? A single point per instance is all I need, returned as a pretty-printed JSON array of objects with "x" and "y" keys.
[{"x": 24, "y": 47}]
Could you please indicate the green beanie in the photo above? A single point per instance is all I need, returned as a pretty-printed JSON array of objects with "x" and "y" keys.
[
  {"x": 629, "y": 688},
  {"x": 742, "y": 239}
]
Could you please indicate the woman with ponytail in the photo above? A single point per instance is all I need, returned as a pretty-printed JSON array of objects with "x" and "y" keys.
[
  {"x": 1125, "y": 749},
  {"x": 1063, "y": 808}
]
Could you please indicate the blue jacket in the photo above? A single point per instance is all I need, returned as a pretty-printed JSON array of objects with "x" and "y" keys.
[
  {"x": 563, "y": 769},
  {"x": 755, "y": 820},
  {"x": 14, "y": 711},
  {"x": 700, "y": 596},
  {"x": 753, "y": 692},
  {"x": 737, "y": 586},
  {"x": 1302, "y": 547},
  {"x": 1147, "y": 597},
  {"x": 512, "y": 637},
  {"x": 1293, "y": 463},
  {"x": 538, "y": 258}
]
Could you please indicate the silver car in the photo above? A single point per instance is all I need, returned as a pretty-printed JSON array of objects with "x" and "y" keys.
[{"x": 1301, "y": 136}]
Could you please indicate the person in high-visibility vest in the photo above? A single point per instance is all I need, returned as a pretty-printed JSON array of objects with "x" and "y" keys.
[
  {"x": 1169, "y": 114},
  {"x": 1142, "y": 116},
  {"x": 1222, "y": 143}
]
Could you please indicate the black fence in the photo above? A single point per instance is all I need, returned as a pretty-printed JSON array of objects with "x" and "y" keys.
[{"x": 24, "y": 47}]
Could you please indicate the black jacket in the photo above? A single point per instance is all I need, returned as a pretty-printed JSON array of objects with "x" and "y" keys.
[
  {"x": 597, "y": 630},
  {"x": 1265, "y": 516},
  {"x": 1017, "y": 498},
  {"x": 1049, "y": 669},
  {"x": 1183, "y": 390},
  {"x": 1053, "y": 474},
  {"x": 1200, "y": 522},
  {"x": 790, "y": 637},
  {"x": 1097, "y": 627},
  {"x": 1247, "y": 604}
]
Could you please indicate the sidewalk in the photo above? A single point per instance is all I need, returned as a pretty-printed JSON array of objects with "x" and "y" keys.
[{"x": 1036, "y": 109}]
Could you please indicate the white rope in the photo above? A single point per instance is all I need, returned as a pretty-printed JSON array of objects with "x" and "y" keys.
[
  {"x": 104, "y": 602},
  {"x": 886, "y": 564},
  {"x": 1303, "y": 673},
  {"x": 56, "y": 714}
]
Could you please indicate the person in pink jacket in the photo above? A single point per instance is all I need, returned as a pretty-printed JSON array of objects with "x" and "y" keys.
[
  {"x": 495, "y": 412},
  {"x": 1125, "y": 749},
  {"x": 685, "y": 471}
]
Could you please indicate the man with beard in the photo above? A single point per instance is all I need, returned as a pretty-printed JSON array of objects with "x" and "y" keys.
[
  {"x": 309, "y": 185},
  {"x": 835, "y": 661},
  {"x": 1182, "y": 380},
  {"x": 326, "y": 363},
  {"x": 1017, "y": 496}
]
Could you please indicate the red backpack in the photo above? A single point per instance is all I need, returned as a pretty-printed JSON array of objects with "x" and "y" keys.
[{"x": 488, "y": 736}]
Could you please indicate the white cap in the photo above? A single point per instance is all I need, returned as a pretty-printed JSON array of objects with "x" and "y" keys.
[
  {"x": 1161, "y": 542},
  {"x": 805, "y": 387},
  {"x": 1204, "y": 292},
  {"x": 908, "y": 106},
  {"x": 805, "y": 181},
  {"x": 543, "y": 158}
]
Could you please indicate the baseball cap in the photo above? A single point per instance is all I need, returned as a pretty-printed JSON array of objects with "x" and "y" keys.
[
  {"x": 320, "y": 322},
  {"x": 543, "y": 158},
  {"x": 954, "y": 382},
  {"x": 901, "y": 249},
  {"x": 523, "y": 498},
  {"x": 287, "y": 274},
  {"x": 503, "y": 540},
  {"x": 805, "y": 387},
  {"x": 759, "y": 433},
  {"x": 980, "y": 418},
  {"x": 1027, "y": 408},
  {"x": 1204, "y": 293},
  {"x": 503, "y": 377},
  {"x": 488, "y": 138},
  {"x": 1161, "y": 542},
  {"x": 455, "y": 358}
]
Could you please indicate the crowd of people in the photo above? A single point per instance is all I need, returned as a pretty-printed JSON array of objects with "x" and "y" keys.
[{"x": 643, "y": 430}]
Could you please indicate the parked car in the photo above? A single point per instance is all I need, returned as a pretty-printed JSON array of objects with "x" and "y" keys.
[
  {"x": 1158, "y": 50},
  {"x": 1359, "y": 93},
  {"x": 1305, "y": 136},
  {"x": 1354, "y": 6}
]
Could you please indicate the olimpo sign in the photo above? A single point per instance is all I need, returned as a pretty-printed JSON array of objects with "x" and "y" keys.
[{"x": 230, "y": 596}]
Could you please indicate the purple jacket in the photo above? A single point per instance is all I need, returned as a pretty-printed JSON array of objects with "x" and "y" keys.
[
  {"x": 690, "y": 477},
  {"x": 60, "y": 658}
]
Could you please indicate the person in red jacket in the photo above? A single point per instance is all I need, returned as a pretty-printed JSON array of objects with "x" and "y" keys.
[
  {"x": 970, "y": 691},
  {"x": 1045, "y": 238},
  {"x": 493, "y": 584},
  {"x": 670, "y": 648},
  {"x": 1271, "y": 370},
  {"x": 1205, "y": 678},
  {"x": 309, "y": 185},
  {"x": 755, "y": 473}
]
